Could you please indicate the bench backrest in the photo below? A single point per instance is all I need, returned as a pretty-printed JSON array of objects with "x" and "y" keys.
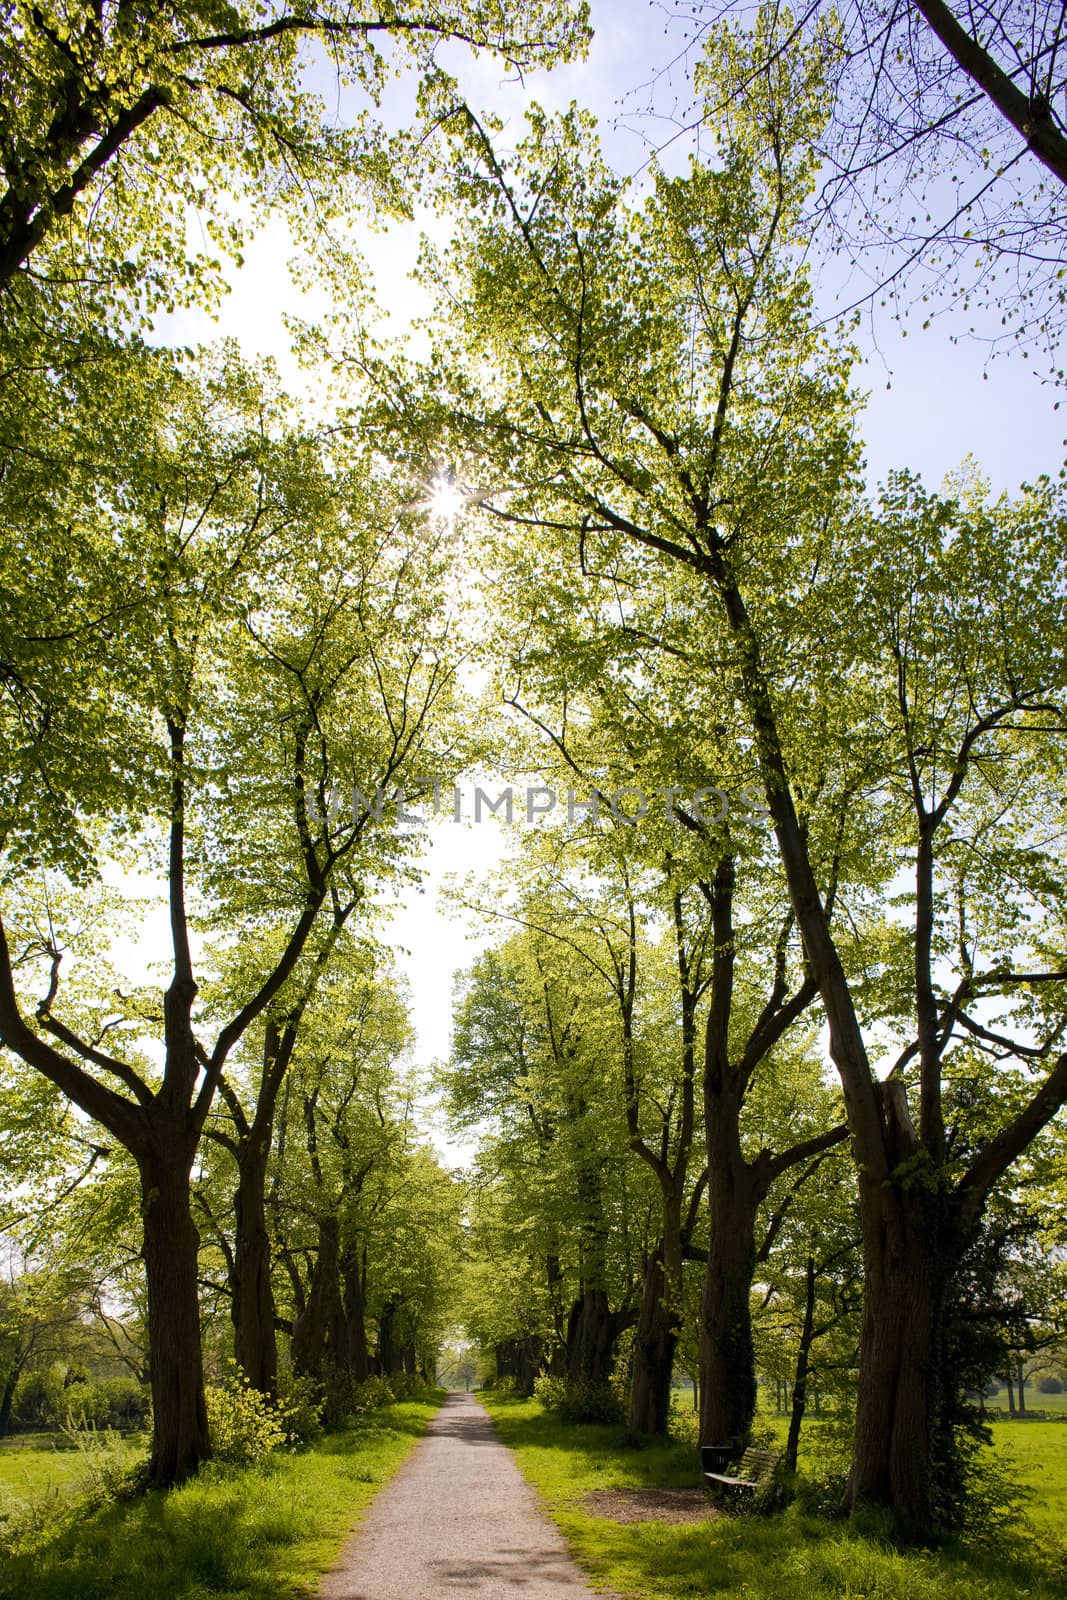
[{"x": 758, "y": 1463}]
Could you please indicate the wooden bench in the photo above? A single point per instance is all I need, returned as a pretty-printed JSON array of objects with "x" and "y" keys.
[{"x": 754, "y": 1469}]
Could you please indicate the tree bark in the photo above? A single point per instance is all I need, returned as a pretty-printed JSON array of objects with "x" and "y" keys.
[
  {"x": 180, "y": 1439},
  {"x": 389, "y": 1353},
  {"x": 315, "y": 1331},
  {"x": 357, "y": 1356},
  {"x": 591, "y": 1335},
  {"x": 6, "y": 1400},
  {"x": 727, "y": 1350},
  {"x": 252, "y": 1306},
  {"x": 520, "y": 1360},
  {"x": 655, "y": 1341},
  {"x": 800, "y": 1377},
  {"x": 900, "y": 1403}
]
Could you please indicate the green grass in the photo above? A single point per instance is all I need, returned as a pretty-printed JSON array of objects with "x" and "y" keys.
[
  {"x": 1032, "y": 1454},
  {"x": 1035, "y": 1456},
  {"x": 258, "y": 1533},
  {"x": 789, "y": 1557},
  {"x": 1055, "y": 1405},
  {"x": 28, "y": 1471}
]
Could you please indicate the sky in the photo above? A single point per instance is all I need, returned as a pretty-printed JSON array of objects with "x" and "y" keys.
[{"x": 931, "y": 401}]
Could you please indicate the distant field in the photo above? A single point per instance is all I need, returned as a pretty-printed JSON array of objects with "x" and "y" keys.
[
  {"x": 1033, "y": 1453},
  {"x": 1054, "y": 1404},
  {"x": 30, "y": 1466}
]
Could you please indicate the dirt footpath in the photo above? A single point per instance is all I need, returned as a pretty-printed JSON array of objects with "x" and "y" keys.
[{"x": 457, "y": 1519}]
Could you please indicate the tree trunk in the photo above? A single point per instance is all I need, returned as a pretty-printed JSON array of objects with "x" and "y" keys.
[
  {"x": 655, "y": 1339},
  {"x": 591, "y": 1335},
  {"x": 520, "y": 1360},
  {"x": 357, "y": 1358},
  {"x": 727, "y": 1351},
  {"x": 252, "y": 1307},
  {"x": 315, "y": 1329},
  {"x": 6, "y": 1400},
  {"x": 900, "y": 1401},
  {"x": 179, "y": 1416},
  {"x": 1011, "y": 1393},
  {"x": 1020, "y": 1384},
  {"x": 800, "y": 1379},
  {"x": 389, "y": 1354}
]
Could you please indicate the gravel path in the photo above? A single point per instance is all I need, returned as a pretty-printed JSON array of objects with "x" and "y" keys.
[{"x": 457, "y": 1519}]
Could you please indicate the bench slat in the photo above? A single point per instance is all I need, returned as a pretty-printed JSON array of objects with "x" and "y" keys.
[{"x": 755, "y": 1465}]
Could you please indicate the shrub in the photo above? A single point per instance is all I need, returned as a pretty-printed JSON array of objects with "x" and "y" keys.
[
  {"x": 86, "y": 1405},
  {"x": 408, "y": 1386},
  {"x": 300, "y": 1402},
  {"x": 820, "y": 1492},
  {"x": 1048, "y": 1383},
  {"x": 112, "y": 1469},
  {"x": 550, "y": 1391},
  {"x": 581, "y": 1401},
  {"x": 345, "y": 1397},
  {"x": 245, "y": 1426},
  {"x": 118, "y": 1403},
  {"x": 371, "y": 1393},
  {"x": 41, "y": 1398}
]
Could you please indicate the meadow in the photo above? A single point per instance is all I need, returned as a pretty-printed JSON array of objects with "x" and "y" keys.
[
  {"x": 263, "y": 1532},
  {"x": 795, "y": 1555},
  {"x": 272, "y": 1529}
]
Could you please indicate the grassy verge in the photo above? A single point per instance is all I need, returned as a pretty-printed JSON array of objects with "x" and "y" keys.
[
  {"x": 232, "y": 1534},
  {"x": 789, "y": 1557}
]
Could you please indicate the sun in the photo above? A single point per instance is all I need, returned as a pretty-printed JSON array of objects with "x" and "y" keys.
[{"x": 445, "y": 498}]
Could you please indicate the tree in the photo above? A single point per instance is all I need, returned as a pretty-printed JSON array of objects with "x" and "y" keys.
[
  {"x": 40, "y": 1314},
  {"x": 807, "y": 1320},
  {"x": 228, "y": 718},
  {"x": 530, "y": 1043},
  {"x": 663, "y": 405},
  {"x": 245, "y": 1130},
  {"x": 365, "y": 1221},
  {"x": 945, "y": 157},
  {"x": 118, "y": 118}
]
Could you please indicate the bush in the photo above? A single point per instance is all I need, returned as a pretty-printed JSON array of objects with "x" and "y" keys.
[
  {"x": 300, "y": 1402},
  {"x": 581, "y": 1401},
  {"x": 820, "y": 1492},
  {"x": 408, "y": 1386},
  {"x": 118, "y": 1403},
  {"x": 550, "y": 1391},
  {"x": 40, "y": 1400},
  {"x": 112, "y": 1469},
  {"x": 1049, "y": 1384},
  {"x": 371, "y": 1393},
  {"x": 245, "y": 1426},
  {"x": 345, "y": 1397},
  {"x": 46, "y": 1400}
]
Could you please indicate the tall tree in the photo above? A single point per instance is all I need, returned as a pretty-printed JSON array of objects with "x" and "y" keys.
[
  {"x": 228, "y": 718},
  {"x": 664, "y": 406},
  {"x": 945, "y": 157},
  {"x": 118, "y": 117}
]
